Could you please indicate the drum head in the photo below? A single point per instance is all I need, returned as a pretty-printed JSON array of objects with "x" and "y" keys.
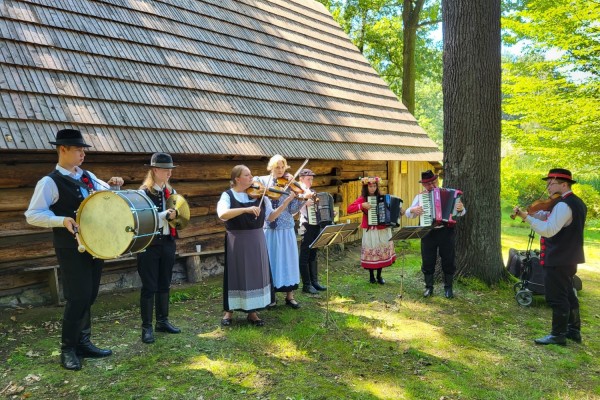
[{"x": 106, "y": 224}]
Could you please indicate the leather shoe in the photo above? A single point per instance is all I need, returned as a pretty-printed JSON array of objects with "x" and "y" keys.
[
  {"x": 292, "y": 303},
  {"x": 165, "y": 326},
  {"x": 256, "y": 322},
  {"x": 448, "y": 293},
  {"x": 373, "y": 280},
  {"x": 309, "y": 289},
  {"x": 428, "y": 292},
  {"x": 226, "y": 322},
  {"x": 319, "y": 287},
  {"x": 69, "y": 360},
  {"x": 88, "y": 350},
  {"x": 381, "y": 281},
  {"x": 147, "y": 335},
  {"x": 552, "y": 339},
  {"x": 574, "y": 336}
]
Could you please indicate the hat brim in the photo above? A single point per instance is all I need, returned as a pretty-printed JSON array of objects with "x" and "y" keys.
[
  {"x": 161, "y": 166},
  {"x": 556, "y": 177},
  {"x": 428, "y": 180},
  {"x": 69, "y": 143}
]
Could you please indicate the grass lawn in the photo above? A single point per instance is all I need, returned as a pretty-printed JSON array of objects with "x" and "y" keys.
[{"x": 366, "y": 342}]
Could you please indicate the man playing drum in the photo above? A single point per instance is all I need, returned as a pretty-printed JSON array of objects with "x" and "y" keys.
[{"x": 54, "y": 203}]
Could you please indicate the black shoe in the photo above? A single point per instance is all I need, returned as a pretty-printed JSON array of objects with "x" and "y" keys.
[
  {"x": 448, "y": 293},
  {"x": 88, "y": 350},
  {"x": 574, "y": 336},
  {"x": 319, "y": 287},
  {"x": 147, "y": 335},
  {"x": 165, "y": 326},
  {"x": 381, "y": 281},
  {"x": 292, "y": 303},
  {"x": 309, "y": 289},
  {"x": 373, "y": 280},
  {"x": 69, "y": 360},
  {"x": 226, "y": 322},
  {"x": 256, "y": 322},
  {"x": 428, "y": 292},
  {"x": 552, "y": 339}
]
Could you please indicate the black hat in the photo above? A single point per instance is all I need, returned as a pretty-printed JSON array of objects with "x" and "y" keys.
[
  {"x": 306, "y": 172},
  {"x": 560, "y": 173},
  {"x": 161, "y": 160},
  {"x": 69, "y": 137},
  {"x": 428, "y": 176}
]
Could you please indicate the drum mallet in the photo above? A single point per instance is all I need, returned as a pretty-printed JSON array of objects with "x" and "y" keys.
[{"x": 80, "y": 247}]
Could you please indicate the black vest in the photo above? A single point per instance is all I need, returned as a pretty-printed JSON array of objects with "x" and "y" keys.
[
  {"x": 69, "y": 200},
  {"x": 244, "y": 221},
  {"x": 566, "y": 247}
]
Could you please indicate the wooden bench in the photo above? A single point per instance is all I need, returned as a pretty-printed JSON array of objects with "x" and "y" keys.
[{"x": 52, "y": 270}]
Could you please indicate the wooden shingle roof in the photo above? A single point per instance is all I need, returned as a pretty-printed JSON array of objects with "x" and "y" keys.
[{"x": 219, "y": 77}]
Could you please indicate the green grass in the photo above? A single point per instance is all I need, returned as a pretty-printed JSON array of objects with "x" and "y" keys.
[{"x": 367, "y": 342}]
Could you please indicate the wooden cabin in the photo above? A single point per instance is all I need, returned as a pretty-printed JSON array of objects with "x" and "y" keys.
[{"x": 215, "y": 84}]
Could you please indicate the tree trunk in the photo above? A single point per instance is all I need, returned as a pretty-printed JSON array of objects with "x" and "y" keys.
[
  {"x": 472, "y": 115},
  {"x": 410, "y": 23}
]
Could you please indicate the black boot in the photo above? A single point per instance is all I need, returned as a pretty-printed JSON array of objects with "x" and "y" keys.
[
  {"x": 574, "y": 326},
  {"x": 372, "y": 277},
  {"x": 162, "y": 314},
  {"x": 86, "y": 348},
  {"x": 559, "y": 330},
  {"x": 428, "y": 285},
  {"x": 146, "y": 311},
  {"x": 448, "y": 280},
  {"x": 70, "y": 338},
  {"x": 314, "y": 276},
  {"x": 307, "y": 286},
  {"x": 380, "y": 280}
]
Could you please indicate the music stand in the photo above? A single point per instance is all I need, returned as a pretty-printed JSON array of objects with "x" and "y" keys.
[
  {"x": 403, "y": 234},
  {"x": 332, "y": 234}
]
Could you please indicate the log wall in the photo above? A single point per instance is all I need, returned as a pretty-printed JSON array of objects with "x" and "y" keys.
[{"x": 201, "y": 179}]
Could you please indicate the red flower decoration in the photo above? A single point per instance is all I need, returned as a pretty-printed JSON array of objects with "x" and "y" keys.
[{"x": 87, "y": 182}]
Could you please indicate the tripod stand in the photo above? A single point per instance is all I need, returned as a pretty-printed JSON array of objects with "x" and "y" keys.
[
  {"x": 330, "y": 235},
  {"x": 405, "y": 233}
]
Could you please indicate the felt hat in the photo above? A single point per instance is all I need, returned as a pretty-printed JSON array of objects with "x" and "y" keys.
[
  {"x": 161, "y": 160},
  {"x": 69, "y": 137},
  {"x": 428, "y": 176},
  {"x": 306, "y": 172},
  {"x": 560, "y": 173}
]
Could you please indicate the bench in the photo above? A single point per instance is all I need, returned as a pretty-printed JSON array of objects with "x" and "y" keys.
[{"x": 52, "y": 270}]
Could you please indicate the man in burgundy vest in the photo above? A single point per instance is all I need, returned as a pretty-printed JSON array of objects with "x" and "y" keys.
[
  {"x": 561, "y": 249},
  {"x": 54, "y": 203}
]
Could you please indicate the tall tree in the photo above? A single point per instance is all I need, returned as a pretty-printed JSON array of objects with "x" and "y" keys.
[{"x": 472, "y": 117}]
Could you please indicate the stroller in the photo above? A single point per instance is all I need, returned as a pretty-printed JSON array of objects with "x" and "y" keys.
[{"x": 525, "y": 265}]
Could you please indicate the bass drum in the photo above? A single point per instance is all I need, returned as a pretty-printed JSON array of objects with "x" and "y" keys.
[{"x": 116, "y": 223}]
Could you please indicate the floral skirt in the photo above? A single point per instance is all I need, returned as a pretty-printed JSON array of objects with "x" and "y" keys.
[{"x": 377, "y": 249}]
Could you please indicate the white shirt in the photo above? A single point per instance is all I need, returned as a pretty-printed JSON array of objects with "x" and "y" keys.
[
  {"x": 46, "y": 194},
  {"x": 549, "y": 224}
]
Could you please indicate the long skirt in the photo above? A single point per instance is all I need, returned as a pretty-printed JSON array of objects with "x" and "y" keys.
[
  {"x": 247, "y": 278},
  {"x": 283, "y": 256},
  {"x": 377, "y": 249}
]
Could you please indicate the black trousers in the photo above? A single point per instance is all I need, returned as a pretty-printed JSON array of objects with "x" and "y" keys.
[
  {"x": 438, "y": 240},
  {"x": 155, "y": 266},
  {"x": 558, "y": 284},
  {"x": 80, "y": 275},
  {"x": 307, "y": 255}
]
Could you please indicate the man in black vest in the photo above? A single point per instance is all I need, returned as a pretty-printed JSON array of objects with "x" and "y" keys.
[
  {"x": 54, "y": 203},
  {"x": 561, "y": 246}
]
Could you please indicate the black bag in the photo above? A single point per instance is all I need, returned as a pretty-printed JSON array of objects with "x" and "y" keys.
[{"x": 527, "y": 269}]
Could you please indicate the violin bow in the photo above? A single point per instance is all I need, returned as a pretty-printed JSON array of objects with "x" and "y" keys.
[
  {"x": 295, "y": 175},
  {"x": 265, "y": 191}
]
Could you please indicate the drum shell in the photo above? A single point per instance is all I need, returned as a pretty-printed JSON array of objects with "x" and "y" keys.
[{"x": 115, "y": 223}]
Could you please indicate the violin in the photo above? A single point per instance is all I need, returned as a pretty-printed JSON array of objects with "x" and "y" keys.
[
  {"x": 541, "y": 205},
  {"x": 292, "y": 184},
  {"x": 257, "y": 190}
]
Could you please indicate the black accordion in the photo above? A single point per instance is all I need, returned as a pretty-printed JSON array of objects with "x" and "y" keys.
[
  {"x": 321, "y": 212},
  {"x": 385, "y": 210},
  {"x": 439, "y": 207}
]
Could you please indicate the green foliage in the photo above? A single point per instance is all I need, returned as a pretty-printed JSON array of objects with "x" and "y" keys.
[{"x": 591, "y": 197}]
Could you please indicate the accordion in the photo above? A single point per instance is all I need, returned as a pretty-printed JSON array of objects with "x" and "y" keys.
[
  {"x": 439, "y": 207},
  {"x": 385, "y": 210},
  {"x": 321, "y": 212}
]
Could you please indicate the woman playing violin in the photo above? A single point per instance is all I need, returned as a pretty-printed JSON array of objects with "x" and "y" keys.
[
  {"x": 561, "y": 244},
  {"x": 246, "y": 280},
  {"x": 280, "y": 235}
]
